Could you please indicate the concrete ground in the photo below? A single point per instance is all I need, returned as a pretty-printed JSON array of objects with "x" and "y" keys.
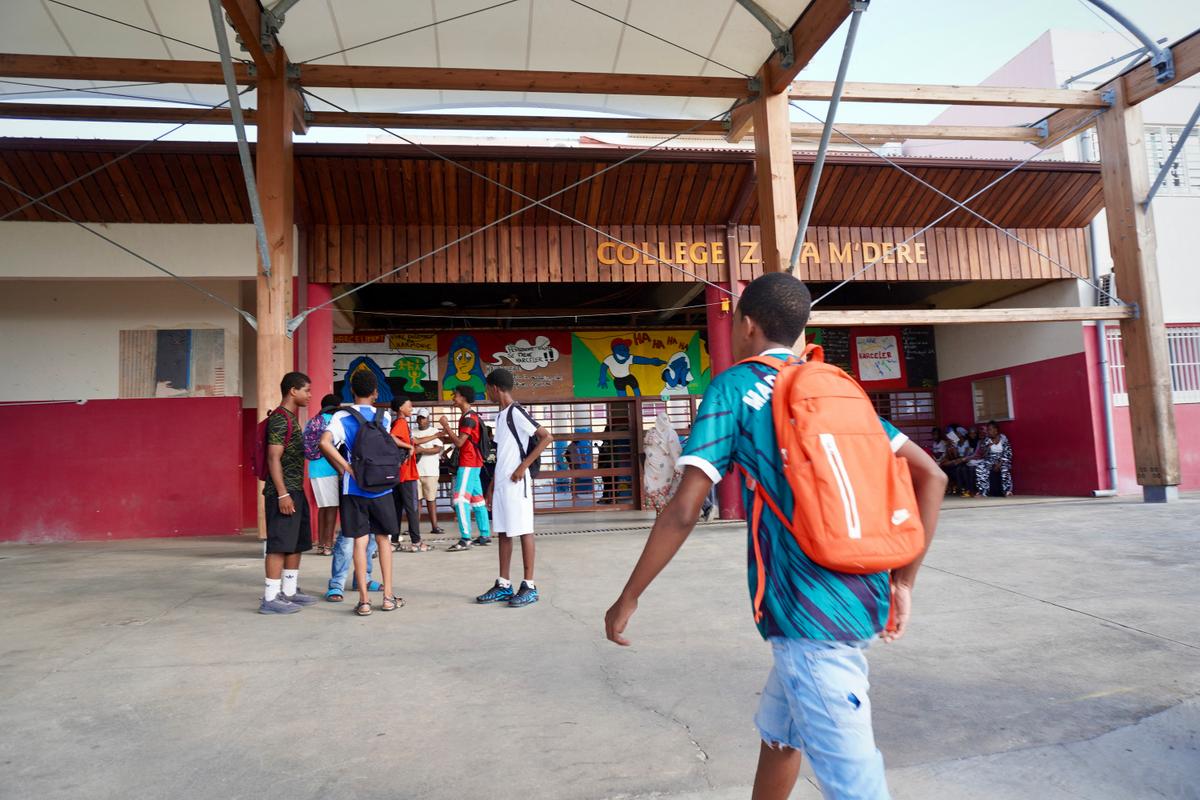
[{"x": 1055, "y": 653}]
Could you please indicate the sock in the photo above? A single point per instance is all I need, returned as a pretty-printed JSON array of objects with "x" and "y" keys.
[
  {"x": 272, "y": 589},
  {"x": 530, "y": 584},
  {"x": 504, "y": 583},
  {"x": 291, "y": 577}
]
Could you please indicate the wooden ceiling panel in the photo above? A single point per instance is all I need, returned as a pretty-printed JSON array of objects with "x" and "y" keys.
[{"x": 386, "y": 185}]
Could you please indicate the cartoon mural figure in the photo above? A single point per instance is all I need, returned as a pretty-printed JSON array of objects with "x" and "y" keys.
[
  {"x": 678, "y": 374},
  {"x": 366, "y": 363},
  {"x": 412, "y": 370},
  {"x": 618, "y": 364},
  {"x": 464, "y": 367}
]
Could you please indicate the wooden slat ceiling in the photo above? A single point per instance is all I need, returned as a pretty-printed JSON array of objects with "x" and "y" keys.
[{"x": 383, "y": 184}]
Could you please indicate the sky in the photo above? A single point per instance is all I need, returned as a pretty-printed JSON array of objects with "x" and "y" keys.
[{"x": 900, "y": 41}]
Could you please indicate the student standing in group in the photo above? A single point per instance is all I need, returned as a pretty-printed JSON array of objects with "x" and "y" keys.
[
  {"x": 405, "y": 493},
  {"x": 818, "y": 621},
  {"x": 468, "y": 483},
  {"x": 429, "y": 465},
  {"x": 324, "y": 480},
  {"x": 289, "y": 531},
  {"x": 364, "y": 513},
  {"x": 519, "y": 444}
]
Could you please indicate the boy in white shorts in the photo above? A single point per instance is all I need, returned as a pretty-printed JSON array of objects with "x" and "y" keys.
[{"x": 519, "y": 442}]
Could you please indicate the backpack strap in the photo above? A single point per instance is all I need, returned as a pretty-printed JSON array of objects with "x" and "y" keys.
[
  {"x": 760, "y": 498},
  {"x": 287, "y": 437}
]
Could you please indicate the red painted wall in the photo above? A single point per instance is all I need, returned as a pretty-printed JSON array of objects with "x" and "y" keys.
[
  {"x": 1187, "y": 431},
  {"x": 122, "y": 469},
  {"x": 1054, "y": 446}
]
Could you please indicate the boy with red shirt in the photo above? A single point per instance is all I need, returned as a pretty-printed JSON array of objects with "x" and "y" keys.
[
  {"x": 405, "y": 494},
  {"x": 468, "y": 484}
]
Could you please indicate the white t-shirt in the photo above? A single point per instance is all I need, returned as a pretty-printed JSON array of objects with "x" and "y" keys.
[
  {"x": 428, "y": 466},
  {"x": 618, "y": 369},
  {"x": 508, "y": 448}
]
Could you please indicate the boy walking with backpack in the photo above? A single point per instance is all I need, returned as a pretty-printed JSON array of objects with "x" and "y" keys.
[
  {"x": 818, "y": 619},
  {"x": 519, "y": 445},
  {"x": 288, "y": 529},
  {"x": 473, "y": 446},
  {"x": 360, "y": 433}
]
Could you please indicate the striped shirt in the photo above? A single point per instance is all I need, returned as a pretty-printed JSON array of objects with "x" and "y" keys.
[{"x": 802, "y": 599}]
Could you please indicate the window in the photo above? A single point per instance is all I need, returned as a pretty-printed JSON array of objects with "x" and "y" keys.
[
  {"x": 993, "y": 398},
  {"x": 1183, "y": 350},
  {"x": 1183, "y": 178}
]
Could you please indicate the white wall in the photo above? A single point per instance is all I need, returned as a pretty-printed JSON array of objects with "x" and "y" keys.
[
  {"x": 59, "y": 340},
  {"x": 40, "y": 250},
  {"x": 969, "y": 349}
]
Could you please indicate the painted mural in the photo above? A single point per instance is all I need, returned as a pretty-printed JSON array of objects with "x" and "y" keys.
[
  {"x": 405, "y": 364},
  {"x": 640, "y": 363}
]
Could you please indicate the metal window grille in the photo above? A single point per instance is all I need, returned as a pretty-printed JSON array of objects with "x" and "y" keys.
[
  {"x": 1183, "y": 178},
  {"x": 1183, "y": 349},
  {"x": 914, "y": 413}
]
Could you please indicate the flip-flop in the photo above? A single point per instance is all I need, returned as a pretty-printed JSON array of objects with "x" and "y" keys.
[{"x": 358, "y": 609}]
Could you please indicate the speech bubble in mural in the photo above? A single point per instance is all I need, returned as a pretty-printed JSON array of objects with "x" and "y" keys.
[{"x": 528, "y": 356}]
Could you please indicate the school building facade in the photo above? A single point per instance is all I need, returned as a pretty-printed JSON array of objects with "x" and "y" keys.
[{"x": 149, "y": 381}]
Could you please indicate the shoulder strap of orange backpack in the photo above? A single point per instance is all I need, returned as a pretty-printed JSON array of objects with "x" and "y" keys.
[{"x": 760, "y": 498}]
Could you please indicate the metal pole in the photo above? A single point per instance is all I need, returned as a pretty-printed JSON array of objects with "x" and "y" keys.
[
  {"x": 1162, "y": 60},
  {"x": 239, "y": 125},
  {"x": 1138, "y": 53},
  {"x": 814, "y": 178},
  {"x": 1175, "y": 151},
  {"x": 1110, "y": 438}
]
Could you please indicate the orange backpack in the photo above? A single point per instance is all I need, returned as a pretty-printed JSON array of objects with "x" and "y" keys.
[{"x": 854, "y": 509}]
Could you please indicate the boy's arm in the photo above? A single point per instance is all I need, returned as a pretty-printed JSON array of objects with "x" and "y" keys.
[
  {"x": 929, "y": 484},
  {"x": 544, "y": 440},
  {"x": 275, "y": 466},
  {"x": 670, "y": 531},
  {"x": 331, "y": 453}
]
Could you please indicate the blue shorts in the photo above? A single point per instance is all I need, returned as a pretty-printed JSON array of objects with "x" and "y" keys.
[{"x": 816, "y": 701}]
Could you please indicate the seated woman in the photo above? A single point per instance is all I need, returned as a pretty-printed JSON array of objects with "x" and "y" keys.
[{"x": 996, "y": 460}]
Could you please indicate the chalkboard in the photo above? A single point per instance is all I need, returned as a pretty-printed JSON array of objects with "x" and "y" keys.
[
  {"x": 920, "y": 357},
  {"x": 836, "y": 342}
]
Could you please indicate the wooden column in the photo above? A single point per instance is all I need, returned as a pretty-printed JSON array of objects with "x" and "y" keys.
[
  {"x": 1131, "y": 240},
  {"x": 776, "y": 175},
  {"x": 273, "y": 173}
]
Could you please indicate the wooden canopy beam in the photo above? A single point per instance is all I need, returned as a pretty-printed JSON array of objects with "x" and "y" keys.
[
  {"x": 221, "y": 116},
  {"x": 775, "y": 177},
  {"x": 948, "y": 95},
  {"x": 246, "y": 18},
  {"x": 1126, "y": 182},
  {"x": 17, "y": 65},
  {"x": 1136, "y": 85},
  {"x": 964, "y": 316},
  {"x": 814, "y": 27}
]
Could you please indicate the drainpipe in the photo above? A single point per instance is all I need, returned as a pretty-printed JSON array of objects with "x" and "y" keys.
[{"x": 1110, "y": 439}]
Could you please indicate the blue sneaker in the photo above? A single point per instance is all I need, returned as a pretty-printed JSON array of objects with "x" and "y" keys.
[
  {"x": 497, "y": 594},
  {"x": 279, "y": 605},
  {"x": 526, "y": 597}
]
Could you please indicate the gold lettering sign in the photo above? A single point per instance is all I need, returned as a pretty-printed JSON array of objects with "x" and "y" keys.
[{"x": 714, "y": 253}]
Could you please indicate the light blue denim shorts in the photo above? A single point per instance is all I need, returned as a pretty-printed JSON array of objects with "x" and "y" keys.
[{"x": 816, "y": 701}]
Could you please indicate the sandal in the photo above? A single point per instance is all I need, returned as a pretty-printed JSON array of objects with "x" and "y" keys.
[
  {"x": 419, "y": 547},
  {"x": 358, "y": 609},
  {"x": 333, "y": 596},
  {"x": 436, "y": 530},
  {"x": 391, "y": 603},
  {"x": 459, "y": 546}
]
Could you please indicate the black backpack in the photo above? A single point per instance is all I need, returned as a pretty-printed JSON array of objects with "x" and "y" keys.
[
  {"x": 485, "y": 437},
  {"x": 375, "y": 457},
  {"x": 535, "y": 469}
]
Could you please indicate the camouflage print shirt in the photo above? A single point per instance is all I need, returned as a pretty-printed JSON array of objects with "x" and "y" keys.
[{"x": 293, "y": 451}]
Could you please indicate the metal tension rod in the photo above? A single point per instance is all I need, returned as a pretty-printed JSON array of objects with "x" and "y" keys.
[
  {"x": 1162, "y": 60},
  {"x": 857, "y": 7},
  {"x": 239, "y": 125},
  {"x": 1172, "y": 156}
]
